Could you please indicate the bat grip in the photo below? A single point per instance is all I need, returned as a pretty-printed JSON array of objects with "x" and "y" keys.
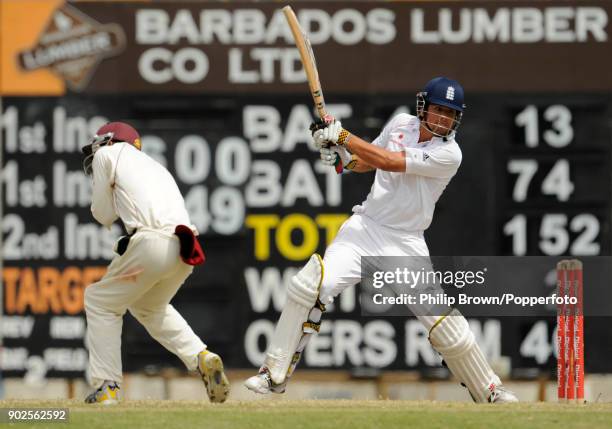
[{"x": 321, "y": 123}]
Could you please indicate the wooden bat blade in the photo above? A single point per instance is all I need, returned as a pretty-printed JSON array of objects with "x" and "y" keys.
[{"x": 308, "y": 60}]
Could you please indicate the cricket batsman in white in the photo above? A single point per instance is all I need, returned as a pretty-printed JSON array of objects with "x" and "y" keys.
[
  {"x": 151, "y": 264},
  {"x": 415, "y": 157}
]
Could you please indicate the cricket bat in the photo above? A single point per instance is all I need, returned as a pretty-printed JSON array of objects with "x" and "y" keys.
[
  {"x": 310, "y": 67},
  {"x": 308, "y": 61}
]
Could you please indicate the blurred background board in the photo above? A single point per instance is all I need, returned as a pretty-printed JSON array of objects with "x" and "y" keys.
[{"x": 217, "y": 93}]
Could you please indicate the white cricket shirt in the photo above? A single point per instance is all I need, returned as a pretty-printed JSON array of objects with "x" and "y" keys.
[
  {"x": 130, "y": 185},
  {"x": 406, "y": 200}
]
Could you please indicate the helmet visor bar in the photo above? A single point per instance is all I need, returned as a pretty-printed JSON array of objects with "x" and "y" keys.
[
  {"x": 434, "y": 122},
  {"x": 90, "y": 150}
]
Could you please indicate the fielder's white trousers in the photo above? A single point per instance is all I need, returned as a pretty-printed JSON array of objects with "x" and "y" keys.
[{"x": 143, "y": 280}]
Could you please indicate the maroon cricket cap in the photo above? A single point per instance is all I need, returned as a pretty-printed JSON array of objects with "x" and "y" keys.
[{"x": 121, "y": 132}]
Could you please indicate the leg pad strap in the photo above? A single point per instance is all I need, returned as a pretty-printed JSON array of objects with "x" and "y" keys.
[
  {"x": 452, "y": 338},
  {"x": 301, "y": 316}
]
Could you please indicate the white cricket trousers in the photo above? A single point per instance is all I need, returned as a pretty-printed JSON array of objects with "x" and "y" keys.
[
  {"x": 360, "y": 237},
  {"x": 143, "y": 280}
]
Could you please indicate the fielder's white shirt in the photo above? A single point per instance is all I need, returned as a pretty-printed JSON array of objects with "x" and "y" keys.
[
  {"x": 406, "y": 200},
  {"x": 130, "y": 185}
]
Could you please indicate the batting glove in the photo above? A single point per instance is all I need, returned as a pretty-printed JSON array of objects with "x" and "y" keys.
[
  {"x": 335, "y": 154},
  {"x": 325, "y": 134}
]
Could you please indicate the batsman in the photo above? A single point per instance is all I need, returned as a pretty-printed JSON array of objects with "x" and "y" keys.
[{"x": 414, "y": 157}]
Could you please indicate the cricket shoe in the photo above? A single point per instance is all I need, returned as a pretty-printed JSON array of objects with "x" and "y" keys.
[
  {"x": 501, "y": 395},
  {"x": 210, "y": 367},
  {"x": 262, "y": 383},
  {"x": 107, "y": 394}
]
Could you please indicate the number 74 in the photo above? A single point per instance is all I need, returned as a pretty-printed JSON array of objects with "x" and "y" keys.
[{"x": 557, "y": 182}]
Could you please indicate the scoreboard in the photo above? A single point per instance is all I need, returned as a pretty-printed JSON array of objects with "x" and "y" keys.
[
  {"x": 227, "y": 111},
  {"x": 557, "y": 196}
]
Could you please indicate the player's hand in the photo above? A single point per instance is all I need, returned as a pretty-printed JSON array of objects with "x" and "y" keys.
[
  {"x": 334, "y": 154},
  {"x": 326, "y": 134},
  {"x": 320, "y": 123}
]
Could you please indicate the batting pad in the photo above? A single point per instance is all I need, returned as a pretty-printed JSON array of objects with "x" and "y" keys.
[
  {"x": 452, "y": 338},
  {"x": 302, "y": 295}
]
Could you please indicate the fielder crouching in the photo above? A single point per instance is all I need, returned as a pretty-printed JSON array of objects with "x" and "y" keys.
[
  {"x": 415, "y": 157},
  {"x": 150, "y": 266}
]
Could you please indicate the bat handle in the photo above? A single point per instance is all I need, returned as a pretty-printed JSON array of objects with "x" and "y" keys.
[{"x": 327, "y": 118}]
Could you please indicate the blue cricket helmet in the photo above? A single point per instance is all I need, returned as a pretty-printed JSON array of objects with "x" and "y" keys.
[{"x": 444, "y": 92}]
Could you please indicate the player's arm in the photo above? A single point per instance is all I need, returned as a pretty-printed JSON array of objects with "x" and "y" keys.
[
  {"x": 354, "y": 153},
  {"x": 325, "y": 136},
  {"x": 358, "y": 165},
  {"x": 334, "y": 155},
  {"x": 102, "y": 206},
  {"x": 375, "y": 156},
  {"x": 442, "y": 162}
]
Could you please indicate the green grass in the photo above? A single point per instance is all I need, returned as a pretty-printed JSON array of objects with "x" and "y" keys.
[{"x": 332, "y": 414}]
